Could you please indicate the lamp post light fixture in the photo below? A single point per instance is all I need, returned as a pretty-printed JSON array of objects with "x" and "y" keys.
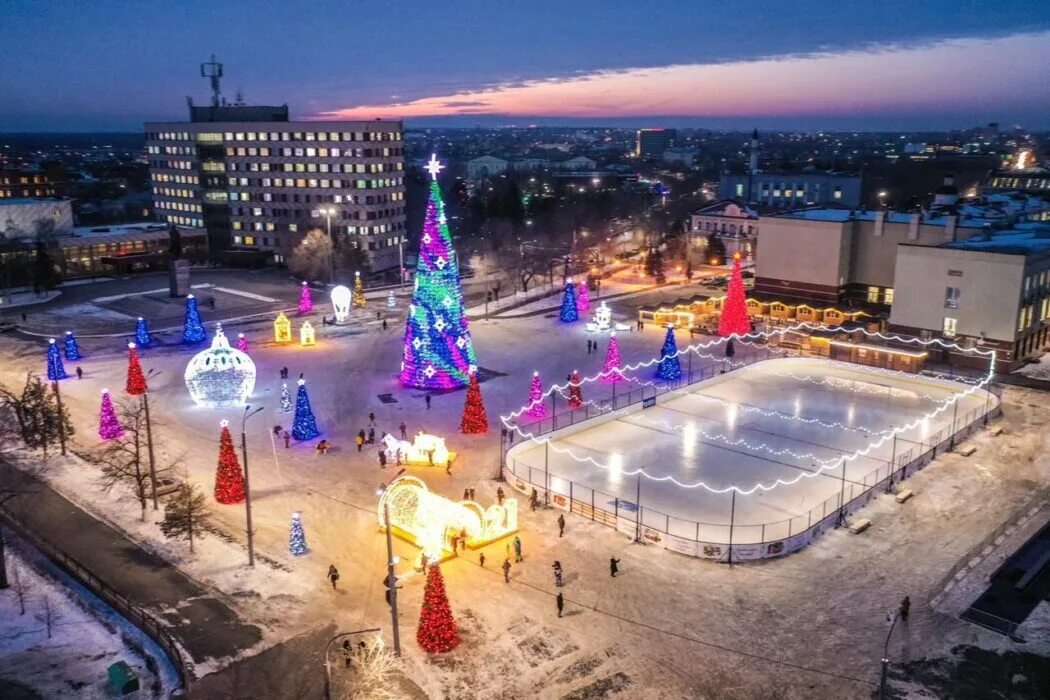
[{"x": 391, "y": 561}]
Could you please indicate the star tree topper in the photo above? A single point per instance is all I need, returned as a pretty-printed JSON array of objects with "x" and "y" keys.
[{"x": 434, "y": 167}]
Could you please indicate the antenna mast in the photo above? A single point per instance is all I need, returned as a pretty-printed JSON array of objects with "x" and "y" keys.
[{"x": 213, "y": 71}]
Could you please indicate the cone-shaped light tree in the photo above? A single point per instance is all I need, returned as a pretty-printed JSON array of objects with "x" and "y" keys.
[
  {"x": 306, "y": 301},
  {"x": 108, "y": 424},
  {"x": 304, "y": 426},
  {"x": 575, "y": 391},
  {"x": 583, "y": 298},
  {"x": 297, "y": 536},
  {"x": 229, "y": 479},
  {"x": 142, "y": 336},
  {"x": 438, "y": 352},
  {"x": 72, "y": 348},
  {"x": 475, "y": 421},
  {"x": 242, "y": 343},
  {"x": 669, "y": 368},
  {"x": 136, "y": 385},
  {"x": 612, "y": 369},
  {"x": 359, "y": 291},
  {"x": 286, "y": 399},
  {"x": 192, "y": 327},
  {"x": 537, "y": 407},
  {"x": 733, "y": 319},
  {"x": 569, "y": 312},
  {"x": 437, "y": 632},
  {"x": 55, "y": 369}
]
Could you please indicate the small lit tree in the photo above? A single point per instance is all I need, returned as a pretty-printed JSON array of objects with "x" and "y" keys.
[{"x": 437, "y": 632}]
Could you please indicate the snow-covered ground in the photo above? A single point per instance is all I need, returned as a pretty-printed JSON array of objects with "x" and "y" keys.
[
  {"x": 779, "y": 430},
  {"x": 1036, "y": 370},
  {"x": 86, "y": 637}
]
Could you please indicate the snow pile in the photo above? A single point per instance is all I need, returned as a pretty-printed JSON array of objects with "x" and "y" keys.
[{"x": 1037, "y": 370}]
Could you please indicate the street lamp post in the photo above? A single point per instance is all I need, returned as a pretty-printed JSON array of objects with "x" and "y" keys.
[
  {"x": 391, "y": 579},
  {"x": 328, "y": 214},
  {"x": 149, "y": 439},
  {"x": 247, "y": 484},
  {"x": 885, "y": 657},
  {"x": 61, "y": 421}
]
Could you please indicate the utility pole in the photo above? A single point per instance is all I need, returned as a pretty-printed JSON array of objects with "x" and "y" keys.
[
  {"x": 391, "y": 580},
  {"x": 149, "y": 441},
  {"x": 885, "y": 657},
  {"x": 247, "y": 484}
]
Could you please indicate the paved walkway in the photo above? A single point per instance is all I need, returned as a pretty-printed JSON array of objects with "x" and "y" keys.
[{"x": 204, "y": 625}]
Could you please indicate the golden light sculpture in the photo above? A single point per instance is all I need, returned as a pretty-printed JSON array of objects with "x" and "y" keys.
[
  {"x": 282, "y": 329},
  {"x": 433, "y": 523},
  {"x": 306, "y": 335},
  {"x": 424, "y": 451}
]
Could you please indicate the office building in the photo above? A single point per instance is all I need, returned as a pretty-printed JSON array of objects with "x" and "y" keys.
[
  {"x": 27, "y": 182},
  {"x": 258, "y": 182},
  {"x": 651, "y": 143},
  {"x": 730, "y": 220}
]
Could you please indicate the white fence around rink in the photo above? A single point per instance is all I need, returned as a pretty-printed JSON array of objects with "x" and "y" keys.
[{"x": 733, "y": 541}]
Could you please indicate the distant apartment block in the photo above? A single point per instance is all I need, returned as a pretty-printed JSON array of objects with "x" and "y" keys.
[
  {"x": 651, "y": 143},
  {"x": 258, "y": 182},
  {"x": 793, "y": 190},
  {"x": 26, "y": 182}
]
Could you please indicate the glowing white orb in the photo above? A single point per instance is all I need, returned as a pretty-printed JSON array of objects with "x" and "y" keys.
[
  {"x": 341, "y": 299},
  {"x": 220, "y": 376}
]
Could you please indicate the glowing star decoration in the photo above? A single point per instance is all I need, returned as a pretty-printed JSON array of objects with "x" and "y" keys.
[
  {"x": 341, "y": 298},
  {"x": 55, "y": 369},
  {"x": 359, "y": 291},
  {"x": 306, "y": 301},
  {"x": 282, "y": 329},
  {"x": 306, "y": 335},
  {"x": 432, "y": 355},
  {"x": 537, "y": 408},
  {"x": 434, "y": 167},
  {"x": 425, "y": 518},
  {"x": 221, "y": 376},
  {"x": 142, "y": 336},
  {"x": 108, "y": 425},
  {"x": 192, "y": 327},
  {"x": 424, "y": 450},
  {"x": 72, "y": 348},
  {"x": 733, "y": 320}
]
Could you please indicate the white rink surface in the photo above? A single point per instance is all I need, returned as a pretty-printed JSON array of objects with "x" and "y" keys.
[{"x": 686, "y": 436}]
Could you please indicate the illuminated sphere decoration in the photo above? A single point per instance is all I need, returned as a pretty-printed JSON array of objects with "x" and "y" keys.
[
  {"x": 220, "y": 376},
  {"x": 341, "y": 298}
]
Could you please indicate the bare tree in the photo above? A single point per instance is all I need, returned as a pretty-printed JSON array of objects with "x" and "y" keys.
[
  {"x": 186, "y": 513},
  {"x": 123, "y": 460},
  {"x": 375, "y": 673},
  {"x": 49, "y": 615},
  {"x": 313, "y": 256},
  {"x": 21, "y": 586},
  {"x": 36, "y": 413}
]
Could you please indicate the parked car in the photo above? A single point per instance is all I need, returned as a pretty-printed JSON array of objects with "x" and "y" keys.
[{"x": 166, "y": 486}]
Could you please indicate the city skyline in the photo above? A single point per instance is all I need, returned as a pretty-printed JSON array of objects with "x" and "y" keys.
[{"x": 850, "y": 67}]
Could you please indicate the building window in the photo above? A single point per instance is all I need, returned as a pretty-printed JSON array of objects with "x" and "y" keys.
[
  {"x": 739, "y": 189},
  {"x": 951, "y": 298},
  {"x": 873, "y": 295},
  {"x": 948, "y": 329},
  {"x": 887, "y": 295},
  {"x": 837, "y": 193}
]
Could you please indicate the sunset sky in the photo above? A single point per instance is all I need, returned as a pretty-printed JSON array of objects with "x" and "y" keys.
[{"x": 112, "y": 64}]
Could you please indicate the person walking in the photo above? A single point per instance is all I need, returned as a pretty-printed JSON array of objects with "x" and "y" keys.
[
  {"x": 428, "y": 401},
  {"x": 423, "y": 561},
  {"x": 534, "y": 499},
  {"x": 506, "y": 571},
  {"x": 448, "y": 463},
  {"x": 500, "y": 496},
  {"x": 613, "y": 569},
  {"x": 371, "y": 418},
  {"x": 466, "y": 494},
  {"x": 80, "y": 373},
  {"x": 557, "y": 574},
  {"x": 287, "y": 439},
  {"x": 348, "y": 652},
  {"x": 561, "y": 603},
  {"x": 371, "y": 436},
  {"x": 404, "y": 430},
  {"x": 382, "y": 458},
  {"x": 384, "y": 324},
  {"x": 517, "y": 548},
  {"x": 561, "y": 524},
  {"x": 333, "y": 575},
  {"x": 481, "y": 559},
  {"x": 472, "y": 496},
  {"x": 360, "y": 441},
  {"x": 905, "y": 608}
]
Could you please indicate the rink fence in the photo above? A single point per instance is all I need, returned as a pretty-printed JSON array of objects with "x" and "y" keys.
[{"x": 733, "y": 541}]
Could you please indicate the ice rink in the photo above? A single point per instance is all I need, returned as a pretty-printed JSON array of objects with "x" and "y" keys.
[{"x": 784, "y": 420}]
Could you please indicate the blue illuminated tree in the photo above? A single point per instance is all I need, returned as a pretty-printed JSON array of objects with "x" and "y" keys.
[
  {"x": 142, "y": 337},
  {"x": 55, "y": 369},
  {"x": 297, "y": 538},
  {"x": 569, "y": 310},
  {"x": 192, "y": 328},
  {"x": 669, "y": 368},
  {"x": 72, "y": 348},
  {"x": 304, "y": 427}
]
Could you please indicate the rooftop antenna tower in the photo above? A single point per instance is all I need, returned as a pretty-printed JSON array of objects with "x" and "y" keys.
[{"x": 213, "y": 71}]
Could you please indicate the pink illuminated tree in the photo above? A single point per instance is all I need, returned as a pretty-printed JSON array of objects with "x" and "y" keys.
[
  {"x": 734, "y": 320},
  {"x": 108, "y": 425},
  {"x": 306, "y": 302},
  {"x": 537, "y": 408},
  {"x": 612, "y": 370},
  {"x": 242, "y": 343},
  {"x": 583, "y": 298}
]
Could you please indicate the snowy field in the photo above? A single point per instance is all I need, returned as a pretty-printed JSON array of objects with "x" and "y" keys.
[{"x": 778, "y": 430}]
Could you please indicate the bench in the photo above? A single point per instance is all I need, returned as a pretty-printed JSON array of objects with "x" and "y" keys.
[
  {"x": 904, "y": 495},
  {"x": 966, "y": 450},
  {"x": 996, "y": 431},
  {"x": 859, "y": 526}
]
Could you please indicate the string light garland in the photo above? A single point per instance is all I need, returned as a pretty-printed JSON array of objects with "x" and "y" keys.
[
  {"x": 437, "y": 632},
  {"x": 438, "y": 352},
  {"x": 229, "y": 479},
  {"x": 142, "y": 336},
  {"x": 569, "y": 312},
  {"x": 297, "y": 536},
  {"x": 55, "y": 369},
  {"x": 220, "y": 376},
  {"x": 136, "y": 384},
  {"x": 72, "y": 348},
  {"x": 882, "y": 437},
  {"x": 192, "y": 327},
  {"x": 108, "y": 424}
]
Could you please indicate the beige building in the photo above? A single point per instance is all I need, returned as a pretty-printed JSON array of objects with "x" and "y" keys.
[
  {"x": 990, "y": 291},
  {"x": 258, "y": 182}
]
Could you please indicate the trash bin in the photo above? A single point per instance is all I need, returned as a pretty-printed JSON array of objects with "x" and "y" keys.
[{"x": 122, "y": 678}]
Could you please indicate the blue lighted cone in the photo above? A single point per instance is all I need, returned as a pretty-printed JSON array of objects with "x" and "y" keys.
[
  {"x": 569, "y": 310},
  {"x": 55, "y": 369},
  {"x": 669, "y": 368},
  {"x": 142, "y": 336},
  {"x": 297, "y": 537},
  {"x": 304, "y": 426},
  {"x": 72, "y": 348},
  {"x": 192, "y": 328}
]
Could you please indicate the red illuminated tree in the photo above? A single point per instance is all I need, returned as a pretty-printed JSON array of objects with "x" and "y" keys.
[
  {"x": 229, "y": 479},
  {"x": 575, "y": 392},
  {"x": 437, "y": 632},
  {"x": 733, "y": 319},
  {"x": 136, "y": 379},
  {"x": 475, "y": 421}
]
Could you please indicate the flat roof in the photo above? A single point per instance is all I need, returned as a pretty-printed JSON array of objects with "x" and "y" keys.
[
  {"x": 1016, "y": 241},
  {"x": 892, "y": 217},
  {"x": 21, "y": 201}
]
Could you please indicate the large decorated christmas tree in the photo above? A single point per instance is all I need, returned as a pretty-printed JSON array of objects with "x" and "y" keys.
[
  {"x": 734, "y": 320},
  {"x": 437, "y": 632},
  {"x": 438, "y": 352}
]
